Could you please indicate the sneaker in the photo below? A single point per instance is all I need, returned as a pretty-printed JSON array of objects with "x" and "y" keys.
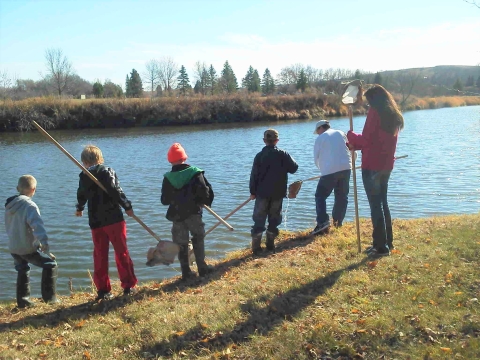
[
  {"x": 376, "y": 253},
  {"x": 320, "y": 228},
  {"x": 368, "y": 249},
  {"x": 102, "y": 295},
  {"x": 203, "y": 271},
  {"x": 129, "y": 291}
]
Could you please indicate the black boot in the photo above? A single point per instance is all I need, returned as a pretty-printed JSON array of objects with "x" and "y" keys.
[
  {"x": 187, "y": 273},
  {"x": 49, "y": 285},
  {"x": 199, "y": 251},
  {"x": 270, "y": 243},
  {"x": 23, "y": 289},
  {"x": 257, "y": 243}
]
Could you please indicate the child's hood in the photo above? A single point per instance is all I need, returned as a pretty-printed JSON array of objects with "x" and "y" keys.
[
  {"x": 179, "y": 179},
  {"x": 14, "y": 203}
]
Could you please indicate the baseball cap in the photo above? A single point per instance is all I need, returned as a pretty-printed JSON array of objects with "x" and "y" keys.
[
  {"x": 320, "y": 123},
  {"x": 270, "y": 134}
]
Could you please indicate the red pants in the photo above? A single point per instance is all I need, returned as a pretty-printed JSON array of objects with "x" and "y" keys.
[{"x": 117, "y": 235}]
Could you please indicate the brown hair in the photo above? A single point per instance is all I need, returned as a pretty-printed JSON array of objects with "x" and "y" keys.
[
  {"x": 92, "y": 155},
  {"x": 391, "y": 119}
]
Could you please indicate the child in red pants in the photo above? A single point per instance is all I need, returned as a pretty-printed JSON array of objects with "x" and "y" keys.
[{"x": 106, "y": 221}]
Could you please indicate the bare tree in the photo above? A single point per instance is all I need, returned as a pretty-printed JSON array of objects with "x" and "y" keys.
[
  {"x": 407, "y": 81},
  {"x": 201, "y": 76},
  {"x": 5, "y": 84},
  {"x": 152, "y": 75},
  {"x": 59, "y": 69},
  {"x": 473, "y": 3},
  {"x": 167, "y": 72}
]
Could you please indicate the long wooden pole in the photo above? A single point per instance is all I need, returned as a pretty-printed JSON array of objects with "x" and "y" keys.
[
  {"x": 88, "y": 173},
  {"x": 226, "y": 217},
  {"x": 357, "y": 220},
  {"x": 357, "y": 167},
  {"x": 218, "y": 217}
]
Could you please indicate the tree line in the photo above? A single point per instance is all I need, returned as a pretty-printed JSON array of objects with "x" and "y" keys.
[{"x": 164, "y": 77}]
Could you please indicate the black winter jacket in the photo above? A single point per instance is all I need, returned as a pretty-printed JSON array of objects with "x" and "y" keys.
[
  {"x": 185, "y": 190},
  {"x": 270, "y": 170},
  {"x": 103, "y": 209}
]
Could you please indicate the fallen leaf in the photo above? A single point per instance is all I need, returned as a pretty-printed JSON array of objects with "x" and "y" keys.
[
  {"x": 432, "y": 302},
  {"x": 360, "y": 321},
  {"x": 179, "y": 333},
  {"x": 355, "y": 311},
  {"x": 458, "y": 293},
  {"x": 86, "y": 355},
  {"x": 372, "y": 264},
  {"x": 361, "y": 331},
  {"x": 445, "y": 349},
  {"x": 42, "y": 355},
  {"x": 395, "y": 251},
  {"x": 79, "y": 324}
]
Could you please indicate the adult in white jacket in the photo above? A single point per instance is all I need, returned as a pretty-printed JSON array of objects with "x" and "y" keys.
[
  {"x": 28, "y": 243},
  {"x": 333, "y": 159}
]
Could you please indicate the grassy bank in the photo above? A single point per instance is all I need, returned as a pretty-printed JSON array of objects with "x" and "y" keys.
[
  {"x": 104, "y": 113},
  {"x": 314, "y": 299}
]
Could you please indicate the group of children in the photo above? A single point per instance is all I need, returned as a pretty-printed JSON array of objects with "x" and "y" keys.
[{"x": 184, "y": 189}]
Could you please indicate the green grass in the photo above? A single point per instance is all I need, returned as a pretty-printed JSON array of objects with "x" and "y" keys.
[{"x": 316, "y": 298}]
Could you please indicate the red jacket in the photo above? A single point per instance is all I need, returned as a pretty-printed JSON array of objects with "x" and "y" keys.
[{"x": 378, "y": 147}]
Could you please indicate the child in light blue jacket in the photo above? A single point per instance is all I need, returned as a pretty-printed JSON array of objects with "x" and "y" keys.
[{"x": 28, "y": 243}]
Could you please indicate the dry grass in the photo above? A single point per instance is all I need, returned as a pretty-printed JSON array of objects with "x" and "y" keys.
[
  {"x": 316, "y": 298},
  {"x": 441, "y": 102},
  {"x": 52, "y": 112}
]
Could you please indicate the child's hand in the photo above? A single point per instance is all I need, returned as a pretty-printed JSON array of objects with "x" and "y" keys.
[
  {"x": 129, "y": 212},
  {"x": 252, "y": 197},
  {"x": 78, "y": 213}
]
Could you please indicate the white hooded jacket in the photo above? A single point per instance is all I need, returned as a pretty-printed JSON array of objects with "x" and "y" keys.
[{"x": 24, "y": 225}]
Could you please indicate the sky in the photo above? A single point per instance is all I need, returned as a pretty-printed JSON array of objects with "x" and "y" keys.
[{"x": 107, "y": 39}]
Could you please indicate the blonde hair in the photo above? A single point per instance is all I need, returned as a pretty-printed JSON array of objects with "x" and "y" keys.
[
  {"x": 92, "y": 155},
  {"x": 26, "y": 183}
]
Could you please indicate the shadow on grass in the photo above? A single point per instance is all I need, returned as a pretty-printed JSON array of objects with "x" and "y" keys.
[
  {"x": 75, "y": 313},
  {"x": 261, "y": 320},
  {"x": 221, "y": 268}
]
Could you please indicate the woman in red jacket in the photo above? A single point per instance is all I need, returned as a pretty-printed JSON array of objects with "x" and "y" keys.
[{"x": 378, "y": 142}]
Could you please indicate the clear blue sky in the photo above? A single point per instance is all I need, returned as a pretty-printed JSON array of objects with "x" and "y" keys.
[{"x": 106, "y": 39}]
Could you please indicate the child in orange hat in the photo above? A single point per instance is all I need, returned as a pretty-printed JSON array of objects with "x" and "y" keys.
[{"x": 185, "y": 190}]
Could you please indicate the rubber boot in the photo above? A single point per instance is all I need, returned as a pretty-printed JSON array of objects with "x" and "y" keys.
[
  {"x": 199, "y": 251},
  {"x": 23, "y": 290},
  {"x": 49, "y": 285},
  {"x": 271, "y": 241},
  {"x": 187, "y": 273},
  {"x": 256, "y": 243}
]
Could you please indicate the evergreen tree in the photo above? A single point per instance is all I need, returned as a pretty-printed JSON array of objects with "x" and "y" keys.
[
  {"x": 212, "y": 79},
  {"x": 478, "y": 81},
  {"x": 229, "y": 80},
  {"x": 183, "y": 81},
  {"x": 127, "y": 86},
  {"x": 268, "y": 84},
  {"x": 470, "y": 81},
  {"x": 98, "y": 89},
  {"x": 458, "y": 85},
  {"x": 378, "y": 79},
  {"x": 134, "y": 86},
  {"x": 251, "y": 81},
  {"x": 159, "y": 91},
  {"x": 302, "y": 81},
  {"x": 358, "y": 74},
  {"x": 198, "y": 87}
]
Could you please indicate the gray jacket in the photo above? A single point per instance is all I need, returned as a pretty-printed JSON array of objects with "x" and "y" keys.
[{"x": 24, "y": 225}]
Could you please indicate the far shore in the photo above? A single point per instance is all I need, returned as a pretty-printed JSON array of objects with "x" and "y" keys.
[{"x": 55, "y": 113}]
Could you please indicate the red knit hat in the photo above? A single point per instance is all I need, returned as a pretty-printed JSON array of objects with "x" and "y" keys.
[{"x": 176, "y": 153}]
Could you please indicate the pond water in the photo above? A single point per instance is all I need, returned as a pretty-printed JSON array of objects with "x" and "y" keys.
[{"x": 440, "y": 176}]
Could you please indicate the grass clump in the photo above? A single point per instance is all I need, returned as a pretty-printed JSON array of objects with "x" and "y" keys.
[{"x": 316, "y": 298}]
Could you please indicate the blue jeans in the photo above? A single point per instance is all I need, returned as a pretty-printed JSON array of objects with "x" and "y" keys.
[
  {"x": 376, "y": 186},
  {"x": 338, "y": 182},
  {"x": 267, "y": 208},
  {"x": 37, "y": 258}
]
